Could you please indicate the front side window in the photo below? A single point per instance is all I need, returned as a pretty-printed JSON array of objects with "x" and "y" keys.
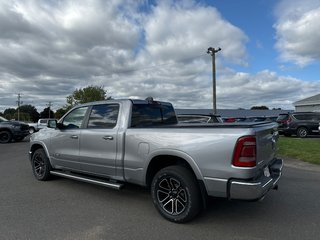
[
  {"x": 75, "y": 118},
  {"x": 104, "y": 116}
]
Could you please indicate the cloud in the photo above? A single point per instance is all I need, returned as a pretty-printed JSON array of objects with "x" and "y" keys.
[
  {"x": 239, "y": 89},
  {"x": 298, "y": 31},
  {"x": 133, "y": 49},
  {"x": 179, "y": 33}
]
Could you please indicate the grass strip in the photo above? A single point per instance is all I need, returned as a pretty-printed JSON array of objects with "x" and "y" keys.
[{"x": 307, "y": 149}]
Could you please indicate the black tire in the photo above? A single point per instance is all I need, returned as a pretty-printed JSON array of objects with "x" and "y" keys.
[
  {"x": 41, "y": 166},
  {"x": 5, "y": 136},
  {"x": 176, "y": 194},
  {"x": 302, "y": 132}
]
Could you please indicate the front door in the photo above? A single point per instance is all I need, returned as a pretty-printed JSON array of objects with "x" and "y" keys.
[{"x": 64, "y": 150}]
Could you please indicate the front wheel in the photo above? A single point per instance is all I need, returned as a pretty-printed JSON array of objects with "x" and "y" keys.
[
  {"x": 176, "y": 194},
  {"x": 302, "y": 132},
  {"x": 40, "y": 165}
]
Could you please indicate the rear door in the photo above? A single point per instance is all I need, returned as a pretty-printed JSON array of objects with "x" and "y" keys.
[{"x": 98, "y": 141}]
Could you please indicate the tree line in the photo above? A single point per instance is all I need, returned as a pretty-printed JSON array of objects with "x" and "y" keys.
[{"x": 29, "y": 113}]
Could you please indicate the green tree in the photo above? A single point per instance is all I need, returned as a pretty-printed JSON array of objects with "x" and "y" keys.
[
  {"x": 60, "y": 112},
  {"x": 84, "y": 95},
  {"x": 259, "y": 108},
  {"x": 45, "y": 113},
  {"x": 9, "y": 113},
  {"x": 32, "y": 111}
]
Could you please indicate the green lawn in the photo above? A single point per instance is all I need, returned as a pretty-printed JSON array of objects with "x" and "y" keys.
[{"x": 307, "y": 149}]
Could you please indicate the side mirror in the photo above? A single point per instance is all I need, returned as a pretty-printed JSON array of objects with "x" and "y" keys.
[{"x": 52, "y": 123}]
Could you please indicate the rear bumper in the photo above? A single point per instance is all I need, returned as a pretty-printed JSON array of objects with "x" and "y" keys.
[{"x": 256, "y": 189}]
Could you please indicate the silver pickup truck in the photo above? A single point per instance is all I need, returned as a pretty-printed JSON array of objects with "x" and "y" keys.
[{"x": 111, "y": 143}]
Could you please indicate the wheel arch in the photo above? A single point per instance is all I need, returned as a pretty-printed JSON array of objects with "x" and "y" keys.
[
  {"x": 34, "y": 147},
  {"x": 163, "y": 159},
  {"x": 6, "y": 129}
]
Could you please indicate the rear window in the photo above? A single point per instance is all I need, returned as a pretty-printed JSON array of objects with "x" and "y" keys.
[
  {"x": 282, "y": 117},
  {"x": 148, "y": 115}
]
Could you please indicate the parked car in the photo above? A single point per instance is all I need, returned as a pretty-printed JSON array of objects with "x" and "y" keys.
[
  {"x": 301, "y": 124},
  {"x": 12, "y": 130},
  {"x": 261, "y": 119},
  {"x": 138, "y": 141},
  {"x": 199, "y": 118},
  {"x": 42, "y": 123}
]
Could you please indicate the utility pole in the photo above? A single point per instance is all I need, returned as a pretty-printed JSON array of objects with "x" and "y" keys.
[
  {"x": 19, "y": 102},
  {"x": 212, "y": 52},
  {"x": 49, "y": 107}
]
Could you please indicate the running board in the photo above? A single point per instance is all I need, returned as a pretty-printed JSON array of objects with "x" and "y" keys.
[{"x": 95, "y": 181}]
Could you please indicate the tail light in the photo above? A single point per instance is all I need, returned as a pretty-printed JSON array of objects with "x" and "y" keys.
[
  {"x": 245, "y": 152},
  {"x": 288, "y": 121}
]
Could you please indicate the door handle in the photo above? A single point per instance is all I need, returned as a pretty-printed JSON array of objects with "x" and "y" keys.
[
  {"x": 107, "y": 138},
  {"x": 74, "y": 137}
]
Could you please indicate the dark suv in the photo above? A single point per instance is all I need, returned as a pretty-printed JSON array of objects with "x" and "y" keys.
[
  {"x": 299, "y": 123},
  {"x": 12, "y": 130}
]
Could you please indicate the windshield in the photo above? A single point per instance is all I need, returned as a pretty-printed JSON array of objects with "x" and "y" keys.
[{"x": 2, "y": 119}]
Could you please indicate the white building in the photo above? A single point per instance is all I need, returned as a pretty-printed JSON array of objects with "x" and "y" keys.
[{"x": 310, "y": 104}]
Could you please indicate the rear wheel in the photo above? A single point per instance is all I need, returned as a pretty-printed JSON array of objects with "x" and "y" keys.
[
  {"x": 5, "y": 136},
  {"x": 176, "y": 194},
  {"x": 302, "y": 132},
  {"x": 40, "y": 165}
]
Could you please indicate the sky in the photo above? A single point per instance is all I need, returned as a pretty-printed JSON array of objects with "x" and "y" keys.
[{"x": 135, "y": 49}]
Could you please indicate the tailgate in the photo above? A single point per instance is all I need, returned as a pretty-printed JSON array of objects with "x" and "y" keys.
[{"x": 267, "y": 137}]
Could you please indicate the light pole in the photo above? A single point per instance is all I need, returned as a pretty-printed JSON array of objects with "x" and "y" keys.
[{"x": 212, "y": 51}]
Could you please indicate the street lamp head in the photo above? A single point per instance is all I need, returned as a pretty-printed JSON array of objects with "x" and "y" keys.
[{"x": 212, "y": 50}]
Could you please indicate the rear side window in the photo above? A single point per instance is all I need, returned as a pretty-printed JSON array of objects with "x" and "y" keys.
[
  {"x": 303, "y": 117},
  {"x": 283, "y": 117},
  {"x": 148, "y": 115},
  {"x": 103, "y": 116}
]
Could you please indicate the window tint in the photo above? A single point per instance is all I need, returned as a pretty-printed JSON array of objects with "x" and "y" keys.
[
  {"x": 152, "y": 114},
  {"x": 303, "y": 117},
  {"x": 75, "y": 118},
  {"x": 283, "y": 117},
  {"x": 103, "y": 116},
  {"x": 316, "y": 117}
]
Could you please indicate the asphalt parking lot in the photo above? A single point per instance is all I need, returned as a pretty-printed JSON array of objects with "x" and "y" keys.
[{"x": 64, "y": 209}]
